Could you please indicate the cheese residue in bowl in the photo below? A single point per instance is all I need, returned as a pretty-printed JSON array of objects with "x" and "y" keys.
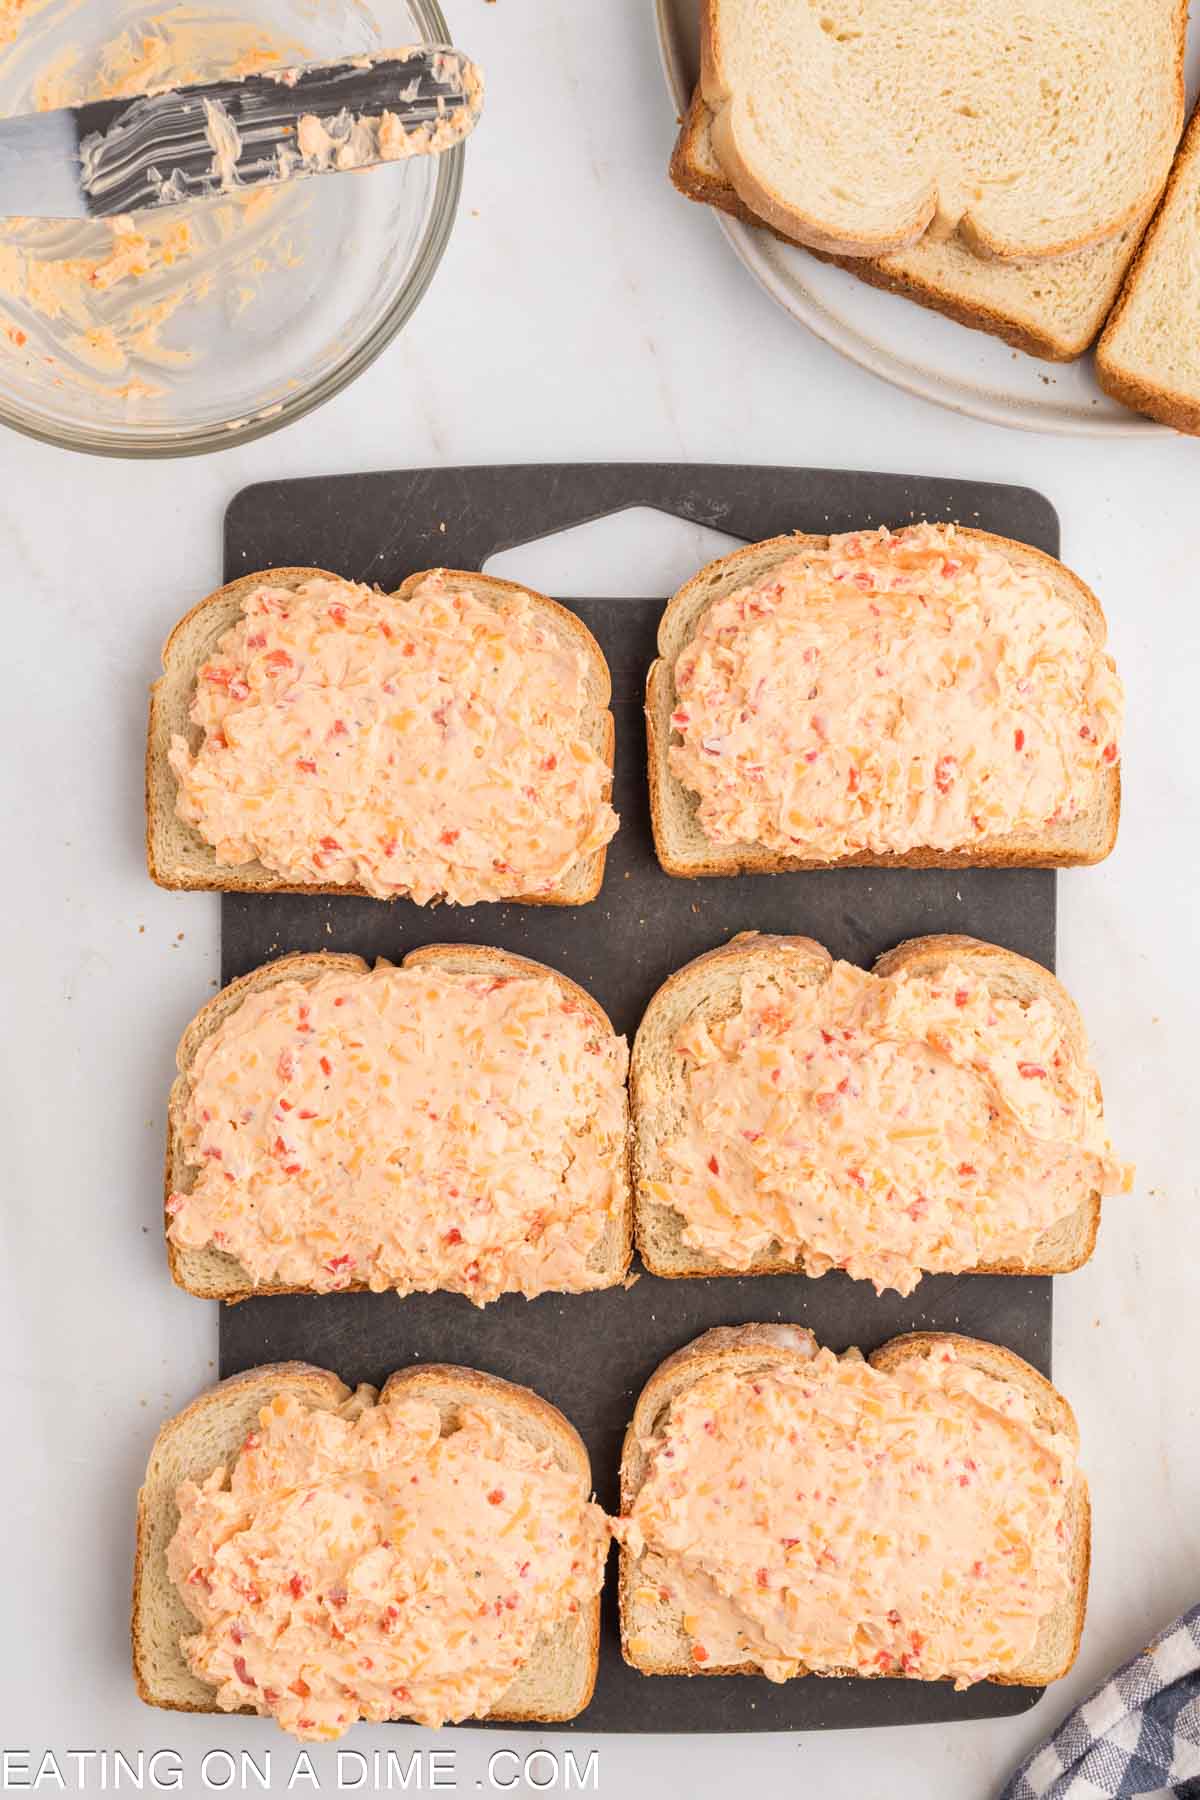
[{"x": 87, "y": 301}]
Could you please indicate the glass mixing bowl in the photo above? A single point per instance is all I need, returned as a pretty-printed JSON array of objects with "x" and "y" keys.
[{"x": 198, "y": 327}]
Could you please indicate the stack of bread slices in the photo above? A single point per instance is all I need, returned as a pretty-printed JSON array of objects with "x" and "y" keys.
[{"x": 1007, "y": 171}]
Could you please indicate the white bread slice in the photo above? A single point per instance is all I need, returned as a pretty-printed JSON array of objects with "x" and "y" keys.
[
  {"x": 859, "y": 125},
  {"x": 1149, "y": 355},
  {"x": 663, "y": 1645},
  {"x": 555, "y": 1684},
  {"x": 710, "y": 988},
  {"x": 1051, "y": 309},
  {"x": 176, "y": 854},
  {"x": 682, "y": 846},
  {"x": 211, "y": 1274}
]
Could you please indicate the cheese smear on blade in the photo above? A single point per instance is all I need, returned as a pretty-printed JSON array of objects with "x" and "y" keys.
[
  {"x": 433, "y": 746},
  {"x": 356, "y": 1564},
  {"x": 838, "y": 1518},
  {"x": 410, "y": 1129},
  {"x": 889, "y": 693},
  {"x": 889, "y": 1126}
]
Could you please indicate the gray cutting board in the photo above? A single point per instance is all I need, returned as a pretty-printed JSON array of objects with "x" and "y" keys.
[{"x": 591, "y": 1354}]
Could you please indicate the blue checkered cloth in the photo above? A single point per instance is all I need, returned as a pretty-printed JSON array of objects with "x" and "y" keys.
[{"x": 1139, "y": 1734}]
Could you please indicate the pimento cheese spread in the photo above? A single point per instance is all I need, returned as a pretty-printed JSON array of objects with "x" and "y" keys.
[
  {"x": 839, "y": 1518},
  {"x": 888, "y": 1126},
  {"x": 432, "y": 746},
  {"x": 410, "y": 1129},
  {"x": 91, "y": 299},
  {"x": 357, "y": 1564},
  {"x": 892, "y": 692}
]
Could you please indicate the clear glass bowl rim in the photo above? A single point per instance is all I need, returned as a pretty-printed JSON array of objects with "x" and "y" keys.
[{"x": 202, "y": 439}]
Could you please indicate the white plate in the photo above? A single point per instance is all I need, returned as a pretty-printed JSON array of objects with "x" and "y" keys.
[{"x": 904, "y": 343}]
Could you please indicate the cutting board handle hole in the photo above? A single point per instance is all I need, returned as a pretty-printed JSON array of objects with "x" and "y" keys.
[{"x": 637, "y": 553}]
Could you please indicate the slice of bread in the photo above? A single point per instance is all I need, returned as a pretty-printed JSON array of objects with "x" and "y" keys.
[
  {"x": 682, "y": 846},
  {"x": 1051, "y": 309},
  {"x": 860, "y": 129},
  {"x": 555, "y": 1684},
  {"x": 176, "y": 854},
  {"x": 710, "y": 989},
  {"x": 663, "y": 1645},
  {"x": 211, "y": 1274},
  {"x": 1149, "y": 355}
]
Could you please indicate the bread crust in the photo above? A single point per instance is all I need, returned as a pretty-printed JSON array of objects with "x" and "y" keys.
[
  {"x": 1063, "y": 1247},
  {"x": 449, "y": 1386},
  {"x": 1155, "y": 398},
  {"x": 790, "y": 221},
  {"x": 194, "y": 637},
  {"x": 211, "y": 1274},
  {"x": 1049, "y": 342},
  {"x": 673, "y": 806},
  {"x": 756, "y": 1348}
]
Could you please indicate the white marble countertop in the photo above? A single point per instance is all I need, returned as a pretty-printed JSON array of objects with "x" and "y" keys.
[{"x": 583, "y": 312}]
